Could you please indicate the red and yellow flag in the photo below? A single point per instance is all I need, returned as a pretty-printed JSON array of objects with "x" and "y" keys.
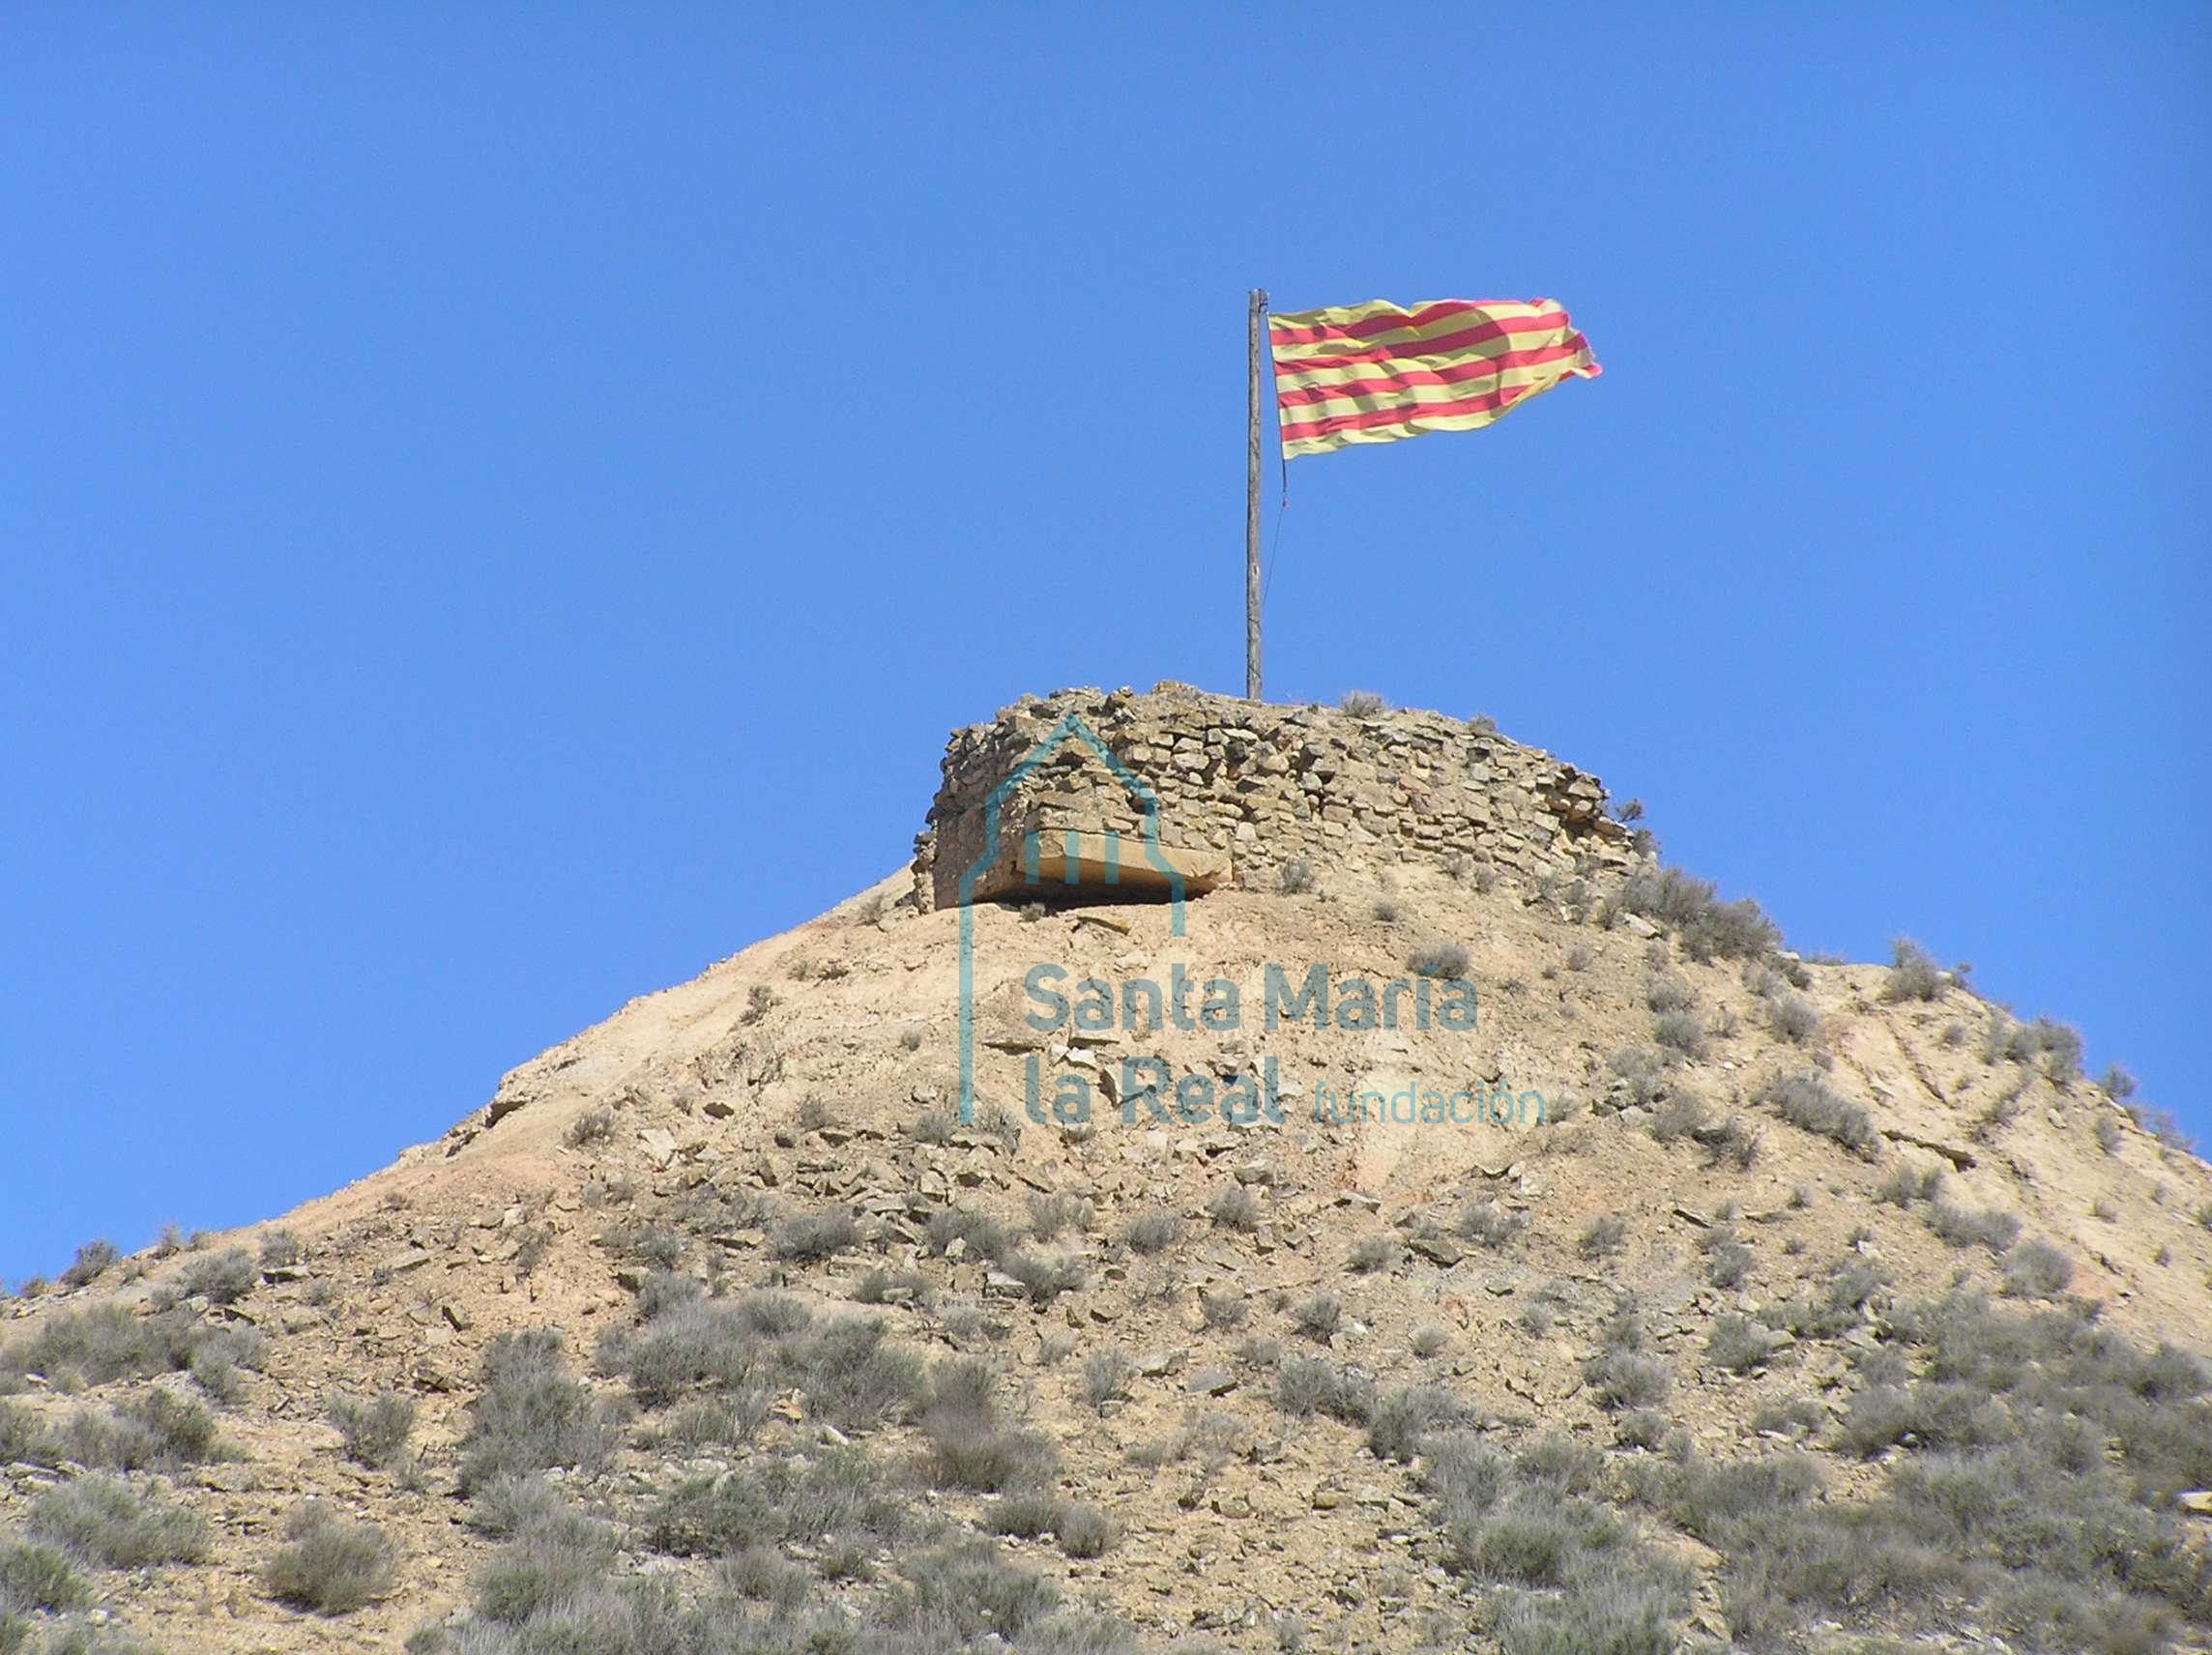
[{"x": 1376, "y": 372}]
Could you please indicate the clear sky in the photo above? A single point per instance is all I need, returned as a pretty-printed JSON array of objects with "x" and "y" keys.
[{"x": 501, "y": 506}]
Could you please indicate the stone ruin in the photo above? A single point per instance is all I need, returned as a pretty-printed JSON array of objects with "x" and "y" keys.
[{"x": 1244, "y": 788}]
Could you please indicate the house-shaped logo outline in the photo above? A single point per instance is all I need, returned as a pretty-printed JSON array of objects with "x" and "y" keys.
[{"x": 1071, "y": 725}]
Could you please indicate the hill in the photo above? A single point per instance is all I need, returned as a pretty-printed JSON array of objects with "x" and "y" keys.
[{"x": 1688, "y": 1291}]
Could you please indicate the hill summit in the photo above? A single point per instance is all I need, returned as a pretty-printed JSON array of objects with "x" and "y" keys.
[{"x": 1329, "y": 1187}]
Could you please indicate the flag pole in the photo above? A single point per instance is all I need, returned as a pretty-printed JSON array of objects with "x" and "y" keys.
[{"x": 1259, "y": 308}]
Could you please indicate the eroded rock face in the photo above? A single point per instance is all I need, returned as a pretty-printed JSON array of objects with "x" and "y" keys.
[{"x": 1221, "y": 790}]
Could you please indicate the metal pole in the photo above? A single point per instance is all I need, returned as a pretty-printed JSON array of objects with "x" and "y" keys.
[{"x": 1259, "y": 303}]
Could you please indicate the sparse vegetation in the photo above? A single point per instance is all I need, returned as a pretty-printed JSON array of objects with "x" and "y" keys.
[
  {"x": 1490, "y": 1225},
  {"x": 809, "y": 1237},
  {"x": 532, "y": 1415},
  {"x": 1680, "y": 1031},
  {"x": 1912, "y": 974},
  {"x": 330, "y": 1566},
  {"x": 1372, "y": 1254},
  {"x": 94, "y": 1259},
  {"x": 1439, "y": 957},
  {"x": 1707, "y": 927},
  {"x": 1602, "y": 1236},
  {"x": 1363, "y": 704},
  {"x": 1106, "y": 1376},
  {"x": 2036, "y": 1269},
  {"x": 1234, "y": 1207},
  {"x": 108, "y": 1523},
  {"x": 1962, "y": 1227},
  {"x": 1403, "y": 1419},
  {"x": 1737, "y": 1343},
  {"x": 1309, "y": 1384},
  {"x": 1317, "y": 1316},
  {"x": 1051, "y": 1215},
  {"x": 1805, "y": 1101},
  {"x": 596, "y": 1125},
  {"x": 150, "y": 1430},
  {"x": 222, "y": 1278},
  {"x": 1296, "y": 878},
  {"x": 1150, "y": 1232},
  {"x": 373, "y": 1430}
]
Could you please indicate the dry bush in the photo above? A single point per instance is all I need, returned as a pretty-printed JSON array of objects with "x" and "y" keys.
[
  {"x": 107, "y": 1522},
  {"x": 373, "y": 1430},
  {"x": 330, "y": 1566}
]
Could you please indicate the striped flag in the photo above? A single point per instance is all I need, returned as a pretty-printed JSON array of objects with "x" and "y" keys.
[{"x": 1376, "y": 372}]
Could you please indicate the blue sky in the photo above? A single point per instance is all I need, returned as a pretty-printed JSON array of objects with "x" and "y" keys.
[{"x": 502, "y": 506}]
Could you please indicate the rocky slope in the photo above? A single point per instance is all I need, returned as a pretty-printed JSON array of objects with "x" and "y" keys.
[{"x": 1819, "y": 1305}]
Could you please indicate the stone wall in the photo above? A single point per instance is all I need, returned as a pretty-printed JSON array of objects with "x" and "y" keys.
[{"x": 1245, "y": 786}]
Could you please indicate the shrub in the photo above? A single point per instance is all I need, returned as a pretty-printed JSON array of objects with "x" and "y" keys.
[
  {"x": 935, "y": 1127},
  {"x": 1603, "y": 1237},
  {"x": 1904, "y": 1185},
  {"x": 1045, "y": 1278},
  {"x": 963, "y": 1591},
  {"x": 1961, "y": 1228},
  {"x": 531, "y": 1415},
  {"x": 1363, "y": 704},
  {"x": 1641, "y": 1077},
  {"x": 1792, "y": 1018},
  {"x": 1319, "y": 1315},
  {"x": 1150, "y": 1233},
  {"x": 1051, "y": 1215},
  {"x": 1306, "y": 1386},
  {"x": 1680, "y": 1031},
  {"x": 151, "y": 1431},
  {"x": 106, "y": 1341},
  {"x": 838, "y": 1494},
  {"x": 1489, "y": 1225},
  {"x": 1727, "y": 1261},
  {"x": 974, "y": 1450},
  {"x": 1805, "y": 1101},
  {"x": 593, "y": 1126},
  {"x": 1912, "y": 974},
  {"x": 93, "y": 1261},
  {"x": 107, "y": 1522},
  {"x": 1372, "y": 1253},
  {"x": 1083, "y": 1530},
  {"x": 1690, "y": 907},
  {"x": 36, "y": 1576},
  {"x": 1221, "y": 1311},
  {"x": 1737, "y": 1343},
  {"x": 1537, "y": 1540},
  {"x": 2036, "y": 1269},
  {"x": 1296, "y": 877},
  {"x": 809, "y": 1237},
  {"x": 1234, "y": 1209},
  {"x": 1712, "y": 1499},
  {"x": 1403, "y": 1419},
  {"x": 1439, "y": 957},
  {"x": 1106, "y": 1376},
  {"x": 1627, "y": 1379},
  {"x": 331, "y": 1566},
  {"x": 1429, "y": 1340},
  {"x": 373, "y": 1430},
  {"x": 1838, "y": 1308},
  {"x": 220, "y": 1278},
  {"x": 2116, "y": 1083},
  {"x": 1680, "y": 1117},
  {"x": 979, "y": 1235},
  {"x": 2061, "y": 1048}
]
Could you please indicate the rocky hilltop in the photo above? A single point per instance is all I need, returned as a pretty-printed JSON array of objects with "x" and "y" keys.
[{"x": 1687, "y": 1293}]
